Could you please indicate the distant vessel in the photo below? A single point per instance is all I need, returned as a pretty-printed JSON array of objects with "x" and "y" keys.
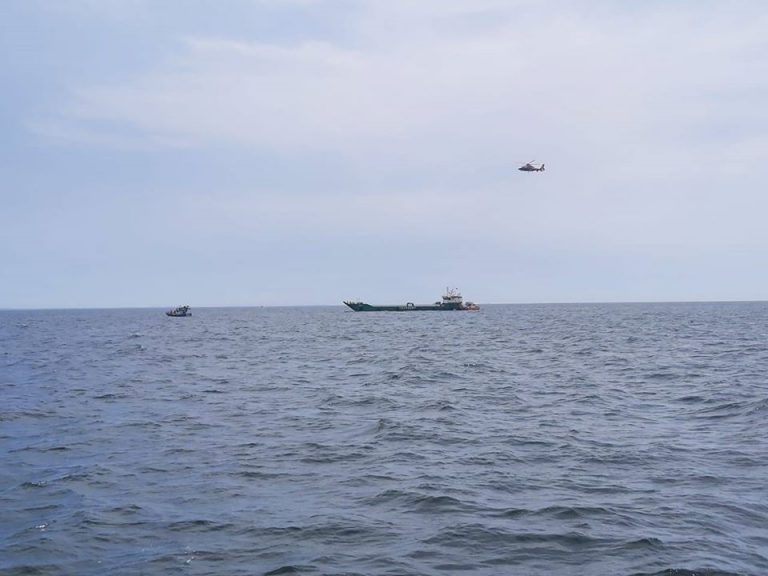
[
  {"x": 179, "y": 311},
  {"x": 452, "y": 300}
]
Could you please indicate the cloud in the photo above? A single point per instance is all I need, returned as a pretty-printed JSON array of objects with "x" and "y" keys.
[
  {"x": 643, "y": 113},
  {"x": 518, "y": 77}
]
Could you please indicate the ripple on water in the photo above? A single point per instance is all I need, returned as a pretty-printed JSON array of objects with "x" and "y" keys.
[{"x": 552, "y": 440}]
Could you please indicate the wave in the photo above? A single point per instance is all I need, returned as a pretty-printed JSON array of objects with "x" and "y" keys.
[{"x": 689, "y": 572}]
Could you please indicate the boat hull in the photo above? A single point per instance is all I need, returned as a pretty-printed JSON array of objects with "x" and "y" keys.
[{"x": 363, "y": 307}]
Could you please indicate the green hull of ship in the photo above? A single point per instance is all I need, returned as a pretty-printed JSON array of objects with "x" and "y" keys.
[{"x": 363, "y": 307}]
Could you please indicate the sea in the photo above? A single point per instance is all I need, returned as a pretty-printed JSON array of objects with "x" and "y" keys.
[{"x": 559, "y": 439}]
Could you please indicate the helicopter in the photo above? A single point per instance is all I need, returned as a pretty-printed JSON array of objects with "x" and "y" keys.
[{"x": 529, "y": 167}]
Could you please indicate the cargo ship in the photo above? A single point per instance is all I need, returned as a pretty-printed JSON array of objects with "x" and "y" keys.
[{"x": 451, "y": 300}]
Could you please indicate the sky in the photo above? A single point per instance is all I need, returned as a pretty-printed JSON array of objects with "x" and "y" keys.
[{"x": 305, "y": 152}]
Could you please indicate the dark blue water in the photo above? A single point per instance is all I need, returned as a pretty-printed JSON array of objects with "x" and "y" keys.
[{"x": 534, "y": 440}]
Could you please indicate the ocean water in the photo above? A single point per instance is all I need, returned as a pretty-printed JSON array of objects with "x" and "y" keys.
[{"x": 622, "y": 439}]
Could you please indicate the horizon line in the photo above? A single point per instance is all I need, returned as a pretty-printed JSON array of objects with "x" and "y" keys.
[{"x": 550, "y": 303}]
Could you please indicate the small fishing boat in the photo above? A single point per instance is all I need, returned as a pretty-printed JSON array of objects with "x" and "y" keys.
[{"x": 179, "y": 311}]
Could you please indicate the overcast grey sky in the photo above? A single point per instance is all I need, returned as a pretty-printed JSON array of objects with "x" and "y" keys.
[{"x": 278, "y": 152}]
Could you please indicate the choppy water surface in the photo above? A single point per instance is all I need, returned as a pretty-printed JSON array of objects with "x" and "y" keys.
[{"x": 532, "y": 440}]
